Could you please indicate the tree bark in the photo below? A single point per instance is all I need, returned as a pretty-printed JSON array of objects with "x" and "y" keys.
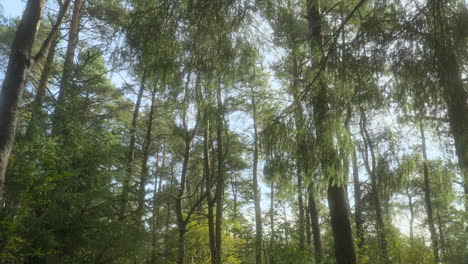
[
  {"x": 358, "y": 219},
  {"x": 220, "y": 178},
  {"x": 257, "y": 194},
  {"x": 314, "y": 216},
  {"x": 18, "y": 68},
  {"x": 272, "y": 221},
  {"x": 427, "y": 196},
  {"x": 145, "y": 156},
  {"x": 345, "y": 252},
  {"x": 207, "y": 169},
  {"x": 131, "y": 152},
  {"x": 59, "y": 120},
  {"x": 450, "y": 79},
  {"x": 157, "y": 187},
  {"x": 37, "y": 114},
  {"x": 371, "y": 167}
]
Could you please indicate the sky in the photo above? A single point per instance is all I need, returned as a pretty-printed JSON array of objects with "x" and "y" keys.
[{"x": 12, "y": 8}]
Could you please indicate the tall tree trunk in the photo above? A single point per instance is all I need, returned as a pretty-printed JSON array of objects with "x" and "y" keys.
[
  {"x": 272, "y": 221},
  {"x": 145, "y": 156},
  {"x": 59, "y": 119},
  {"x": 345, "y": 252},
  {"x": 411, "y": 209},
  {"x": 450, "y": 79},
  {"x": 220, "y": 178},
  {"x": 300, "y": 202},
  {"x": 371, "y": 167},
  {"x": 442, "y": 237},
  {"x": 131, "y": 152},
  {"x": 37, "y": 114},
  {"x": 18, "y": 68},
  {"x": 257, "y": 194},
  {"x": 427, "y": 196},
  {"x": 308, "y": 225},
  {"x": 181, "y": 221},
  {"x": 157, "y": 187},
  {"x": 207, "y": 169},
  {"x": 314, "y": 216},
  {"x": 357, "y": 204},
  {"x": 19, "y": 64}
]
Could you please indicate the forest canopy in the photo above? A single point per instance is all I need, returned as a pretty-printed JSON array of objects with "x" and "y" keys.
[{"x": 234, "y": 131}]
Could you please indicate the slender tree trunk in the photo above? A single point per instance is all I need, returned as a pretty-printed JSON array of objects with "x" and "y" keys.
[
  {"x": 181, "y": 221},
  {"x": 272, "y": 221},
  {"x": 371, "y": 167},
  {"x": 59, "y": 119},
  {"x": 220, "y": 178},
  {"x": 411, "y": 209},
  {"x": 157, "y": 187},
  {"x": 37, "y": 114},
  {"x": 308, "y": 225},
  {"x": 357, "y": 204},
  {"x": 145, "y": 156},
  {"x": 314, "y": 216},
  {"x": 131, "y": 152},
  {"x": 168, "y": 209},
  {"x": 257, "y": 193},
  {"x": 345, "y": 252},
  {"x": 427, "y": 196},
  {"x": 442, "y": 237},
  {"x": 18, "y": 68},
  {"x": 207, "y": 168},
  {"x": 301, "y": 207}
]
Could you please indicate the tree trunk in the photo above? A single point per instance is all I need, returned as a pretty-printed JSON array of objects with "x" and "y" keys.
[
  {"x": 145, "y": 156},
  {"x": 37, "y": 114},
  {"x": 450, "y": 79},
  {"x": 301, "y": 207},
  {"x": 257, "y": 194},
  {"x": 18, "y": 68},
  {"x": 371, "y": 167},
  {"x": 411, "y": 209},
  {"x": 59, "y": 120},
  {"x": 207, "y": 168},
  {"x": 157, "y": 187},
  {"x": 442, "y": 237},
  {"x": 314, "y": 216},
  {"x": 220, "y": 179},
  {"x": 272, "y": 221},
  {"x": 357, "y": 204},
  {"x": 181, "y": 221},
  {"x": 427, "y": 196},
  {"x": 345, "y": 252},
  {"x": 341, "y": 224},
  {"x": 131, "y": 152}
]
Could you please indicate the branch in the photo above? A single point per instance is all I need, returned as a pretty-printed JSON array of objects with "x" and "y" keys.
[{"x": 45, "y": 45}]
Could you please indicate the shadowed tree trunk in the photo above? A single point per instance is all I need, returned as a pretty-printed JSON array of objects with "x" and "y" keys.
[
  {"x": 371, "y": 167},
  {"x": 145, "y": 156},
  {"x": 272, "y": 221},
  {"x": 345, "y": 252},
  {"x": 357, "y": 203},
  {"x": 220, "y": 177},
  {"x": 257, "y": 194},
  {"x": 37, "y": 113},
  {"x": 450, "y": 79},
  {"x": 157, "y": 187},
  {"x": 427, "y": 196},
  {"x": 59, "y": 119},
  {"x": 314, "y": 216},
  {"x": 19, "y": 65},
  {"x": 131, "y": 151}
]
